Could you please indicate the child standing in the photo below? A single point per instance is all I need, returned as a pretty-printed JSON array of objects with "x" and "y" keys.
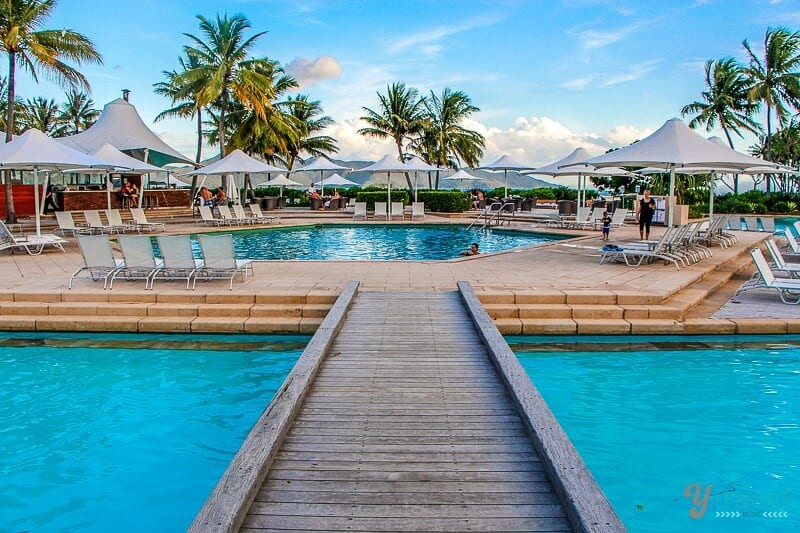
[{"x": 606, "y": 221}]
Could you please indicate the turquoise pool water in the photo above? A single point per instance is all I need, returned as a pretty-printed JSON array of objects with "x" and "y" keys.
[
  {"x": 122, "y": 433},
  {"x": 782, "y": 223},
  {"x": 376, "y": 242},
  {"x": 653, "y": 416}
]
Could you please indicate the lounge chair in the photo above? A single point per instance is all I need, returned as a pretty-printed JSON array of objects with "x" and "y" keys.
[
  {"x": 397, "y": 210},
  {"x": 380, "y": 211},
  {"x": 226, "y": 215},
  {"x": 98, "y": 259},
  {"x": 219, "y": 261},
  {"x": 66, "y": 224},
  {"x": 794, "y": 247},
  {"x": 788, "y": 289},
  {"x": 140, "y": 261},
  {"x": 259, "y": 215},
  {"x": 594, "y": 220},
  {"x": 115, "y": 219},
  {"x": 638, "y": 252},
  {"x": 33, "y": 244},
  {"x": 750, "y": 223},
  {"x": 418, "y": 210},
  {"x": 241, "y": 216},
  {"x": 781, "y": 265},
  {"x": 767, "y": 224},
  {"x": 179, "y": 260},
  {"x": 207, "y": 216},
  {"x": 360, "y": 212},
  {"x": 140, "y": 219},
  {"x": 94, "y": 222},
  {"x": 618, "y": 218}
]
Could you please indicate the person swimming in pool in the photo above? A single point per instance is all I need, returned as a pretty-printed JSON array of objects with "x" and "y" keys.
[{"x": 473, "y": 250}]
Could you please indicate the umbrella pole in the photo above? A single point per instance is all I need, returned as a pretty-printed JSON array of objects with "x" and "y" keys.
[
  {"x": 711, "y": 198},
  {"x": 44, "y": 188},
  {"x": 36, "y": 200},
  {"x": 322, "y": 182},
  {"x": 108, "y": 189},
  {"x": 415, "y": 185},
  {"x": 389, "y": 190},
  {"x": 505, "y": 175},
  {"x": 671, "y": 199}
]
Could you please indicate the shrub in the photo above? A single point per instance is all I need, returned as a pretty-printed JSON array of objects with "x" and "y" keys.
[
  {"x": 380, "y": 196},
  {"x": 782, "y": 207},
  {"x": 758, "y": 208},
  {"x": 445, "y": 201}
]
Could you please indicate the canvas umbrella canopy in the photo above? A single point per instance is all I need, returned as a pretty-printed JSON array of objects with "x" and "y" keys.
[
  {"x": 416, "y": 164},
  {"x": 335, "y": 180},
  {"x": 235, "y": 163},
  {"x": 460, "y": 176},
  {"x": 388, "y": 164},
  {"x": 322, "y": 164},
  {"x": 280, "y": 181},
  {"x": 35, "y": 151},
  {"x": 505, "y": 163},
  {"x": 172, "y": 180},
  {"x": 562, "y": 169},
  {"x": 674, "y": 146}
]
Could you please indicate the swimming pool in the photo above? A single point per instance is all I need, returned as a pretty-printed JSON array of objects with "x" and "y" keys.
[
  {"x": 657, "y": 419},
  {"x": 375, "y": 242},
  {"x": 107, "y": 432}
]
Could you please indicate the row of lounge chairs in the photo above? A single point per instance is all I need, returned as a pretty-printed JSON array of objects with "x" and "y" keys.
[
  {"x": 237, "y": 217},
  {"x": 592, "y": 219},
  {"x": 752, "y": 223},
  {"x": 113, "y": 224},
  {"x": 782, "y": 276},
  {"x": 397, "y": 210},
  {"x": 177, "y": 260}
]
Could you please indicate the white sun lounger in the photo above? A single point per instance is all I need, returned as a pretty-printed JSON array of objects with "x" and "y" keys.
[
  {"x": 788, "y": 288},
  {"x": 140, "y": 219},
  {"x": 115, "y": 219},
  {"x": 241, "y": 217},
  {"x": 360, "y": 212},
  {"x": 750, "y": 223},
  {"x": 140, "y": 261},
  {"x": 179, "y": 260},
  {"x": 380, "y": 211},
  {"x": 259, "y": 215},
  {"x": 98, "y": 259},
  {"x": 33, "y": 244},
  {"x": 94, "y": 222},
  {"x": 418, "y": 210},
  {"x": 767, "y": 224},
  {"x": 781, "y": 265},
  {"x": 397, "y": 210},
  {"x": 66, "y": 224},
  {"x": 793, "y": 245},
  {"x": 226, "y": 215},
  {"x": 219, "y": 259},
  {"x": 208, "y": 218}
]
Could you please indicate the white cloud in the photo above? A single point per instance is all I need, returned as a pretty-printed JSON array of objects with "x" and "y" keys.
[
  {"x": 309, "y": 71},
  {"x": 354, "y": 146},
  {"x": 591, "y": 39},
  {"x": 608, "y": 79},
  {"x": 439, "y": 32}
]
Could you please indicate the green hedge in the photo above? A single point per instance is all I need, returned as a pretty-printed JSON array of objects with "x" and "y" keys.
[
  {"x": 445, "y": 201},
  {"x": 380, "y": 196}
]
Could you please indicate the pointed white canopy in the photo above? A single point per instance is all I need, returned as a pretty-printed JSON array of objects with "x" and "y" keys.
[
  {"x": 280, "y": 181},
  {"x": 172, "y": 180},
  {"x": 418, "y": 165},
  {"x": 320, "y": 163},
  {"x": 236, "y": 162},
  {"x": 121, "y": 126},
  {"x": 387, "y": 163},
  {"x": 462, "y": 175},
  {"x": 124, "y": 161},
  {"x": 335, "y": 180},
  {"x": 506, "y": 163},
  {"x": 578, "y": 155}
]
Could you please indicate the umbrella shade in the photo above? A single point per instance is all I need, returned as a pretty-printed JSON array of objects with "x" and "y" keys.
[
  {"x": 505, "y": 163},
  {"x": 124, "y": 161},
  {"x": 462, "y": 175},
  {"x": 280, "y": 181},
  {"x": 320, "y": 163},
  {"x": 417, "y": 164},
  {"x": 388, "y": 164},
  {"x": 236, "y": 162},
  {"x": 336, "y": 180}
]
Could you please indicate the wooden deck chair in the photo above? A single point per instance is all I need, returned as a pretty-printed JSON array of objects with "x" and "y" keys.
[
  {"x": 259, "y": 215},
  {"x": 140, "y": 261},
  {"x": 140, "y": 219},
  {"x": 98, "y": 259},
  {"x": 219, "y": 261},
  {"x": 94, "y": 222},
  {"x": 179, "y": 260},
  {"x": 66, "y": 224},
  {"x": 397, "y": 210},
  {"x": 115, "y": 219},
  {"x": 380, "y": 211},
  {"x": 418, "y": 210},
  {"x": 788, "y": 289},
  {"x": 208, "y": 218},
  {"x": 360, "y": 212}
]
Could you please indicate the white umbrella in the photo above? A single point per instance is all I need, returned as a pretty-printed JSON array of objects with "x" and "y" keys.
[
  {"x": 322, "y": 164},
  {"x": 35, "y": 151},
  {"x": 335, "y": 180},
  {"x": 388, "y": 164},
  {"x": 416, "y": 164},
  {"x": 460, "y": 176},
  {"x": 505, "y": 163},
  {"x": 280, "y": 181},
  {"x": 236, "y": 162},
  {"x": 674, "y": 146},
  {"x": 123, "y": 161}
]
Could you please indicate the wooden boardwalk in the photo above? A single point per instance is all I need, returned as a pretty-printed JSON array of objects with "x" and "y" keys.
[{"x": 405, "y": 426}]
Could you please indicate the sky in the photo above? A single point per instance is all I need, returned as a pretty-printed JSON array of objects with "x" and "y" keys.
[{"x": 548, "y": 75}]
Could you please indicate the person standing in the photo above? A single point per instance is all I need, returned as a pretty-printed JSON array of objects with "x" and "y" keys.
[
  {"x": 644, "y": 213},
  {"x": 606, "y": 221}
]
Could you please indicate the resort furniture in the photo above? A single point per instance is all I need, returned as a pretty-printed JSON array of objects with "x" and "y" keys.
[
  {"x": 139, "y": 260},
  {"x": 360, "y": 212},
  {"x": 226, "y": 215},
  {"x": 66, "y": 224},
  {"x": 241, "y": 216},
  {"x": 380, "y": 211},
  {"x": 595, "y": 218},
  {"x": 94, "y": 222},
  {"x": 794, "y": 247},
  {"x": 219, "y": 261},
  {"x": 618, "y": 218},
  {"x": 98, "y": 259},
  {"x": 788, "y": 289},
  {"x": 714, "y": 232},
  {"x": 33, "y": 244},
  {"x": 208, "y": 217},
  {"x": 255, "y": 209},
  {"x": 767, "y": 224},
  {"x": 179, "y": 260},
  {"x": 638, "y": 252},
  {"x": 115, "y": 219},
  {"x": 781, "y": 265},
  {"x": 750, "y": 223},
  {"x": 397, "y": 210},
  {"x": 418, "y": 210},
  {"x": 140, "y": 220}
]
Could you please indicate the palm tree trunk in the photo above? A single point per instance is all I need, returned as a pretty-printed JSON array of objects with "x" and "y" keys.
[
  {"x": 735, "y": 176},
  {"x": 769, "y": 141},
  {"x": 199, "y": 153},
  {"x": 221, "y": 137},
  {"x": 400, "y": 157},
  {"x": 11, "y": 216}
]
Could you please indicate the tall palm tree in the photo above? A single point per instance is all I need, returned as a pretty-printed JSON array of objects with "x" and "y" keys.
[
  {"x": 310, "y": 119},
  {"x": 33, "y": 49},
  {"x": 77, "y": 114},
  {"x": 225, "y": 72},
  {"x": 184, "y": 99},
  {"x": 446, "y": 143},
  {"x": 399, "y": 117},
  {"x": 40, "y": 113},
  {"x": 775, "y": 79}
]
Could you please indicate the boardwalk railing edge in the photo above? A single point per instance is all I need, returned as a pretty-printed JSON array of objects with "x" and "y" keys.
[
  {"x": 226, "y": 507},
  {"x": 586, "y": 505}
]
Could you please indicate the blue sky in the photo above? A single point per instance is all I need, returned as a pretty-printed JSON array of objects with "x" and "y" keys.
[{"x": 548, "y": 75}]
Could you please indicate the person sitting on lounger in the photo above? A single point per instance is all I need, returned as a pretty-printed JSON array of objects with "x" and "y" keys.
[
  {"x": 205, "y": 197},
  {"x": 221, "y": 198},
  {"x": 473, "y": 250}
]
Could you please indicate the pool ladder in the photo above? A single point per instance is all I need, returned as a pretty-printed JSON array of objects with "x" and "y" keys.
[{"x": 492, "y": 214}]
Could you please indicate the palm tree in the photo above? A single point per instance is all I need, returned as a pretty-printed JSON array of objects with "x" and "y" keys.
[
  {"x": 184, "y": 99},
  {"x": 40, "y": 113},
  {"x": 308, "y": 115},
  {"x": 225, "y": 73},
  {"x": 445, "y": 142},
  {"x": 32, "y": 48},
  {"x": 774, "y": 79},
  {"x": 400, "y": 116},
  {"x": 77, "y": 114}
]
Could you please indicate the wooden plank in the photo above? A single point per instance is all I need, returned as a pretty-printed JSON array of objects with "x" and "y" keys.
[
  {"x": 396, "y": 457},
  {"x": 432, "y": 450},
  {"x": 527, "y": 476},
  {"x": 415, "y": 498},
  {"x": 409, "y": 466},
  {"x": 327, "y": 523},
  {"x": 402, "y": 486},
  {"x": 423, "y": 440},
  {"x": 407, "y": 511}
]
